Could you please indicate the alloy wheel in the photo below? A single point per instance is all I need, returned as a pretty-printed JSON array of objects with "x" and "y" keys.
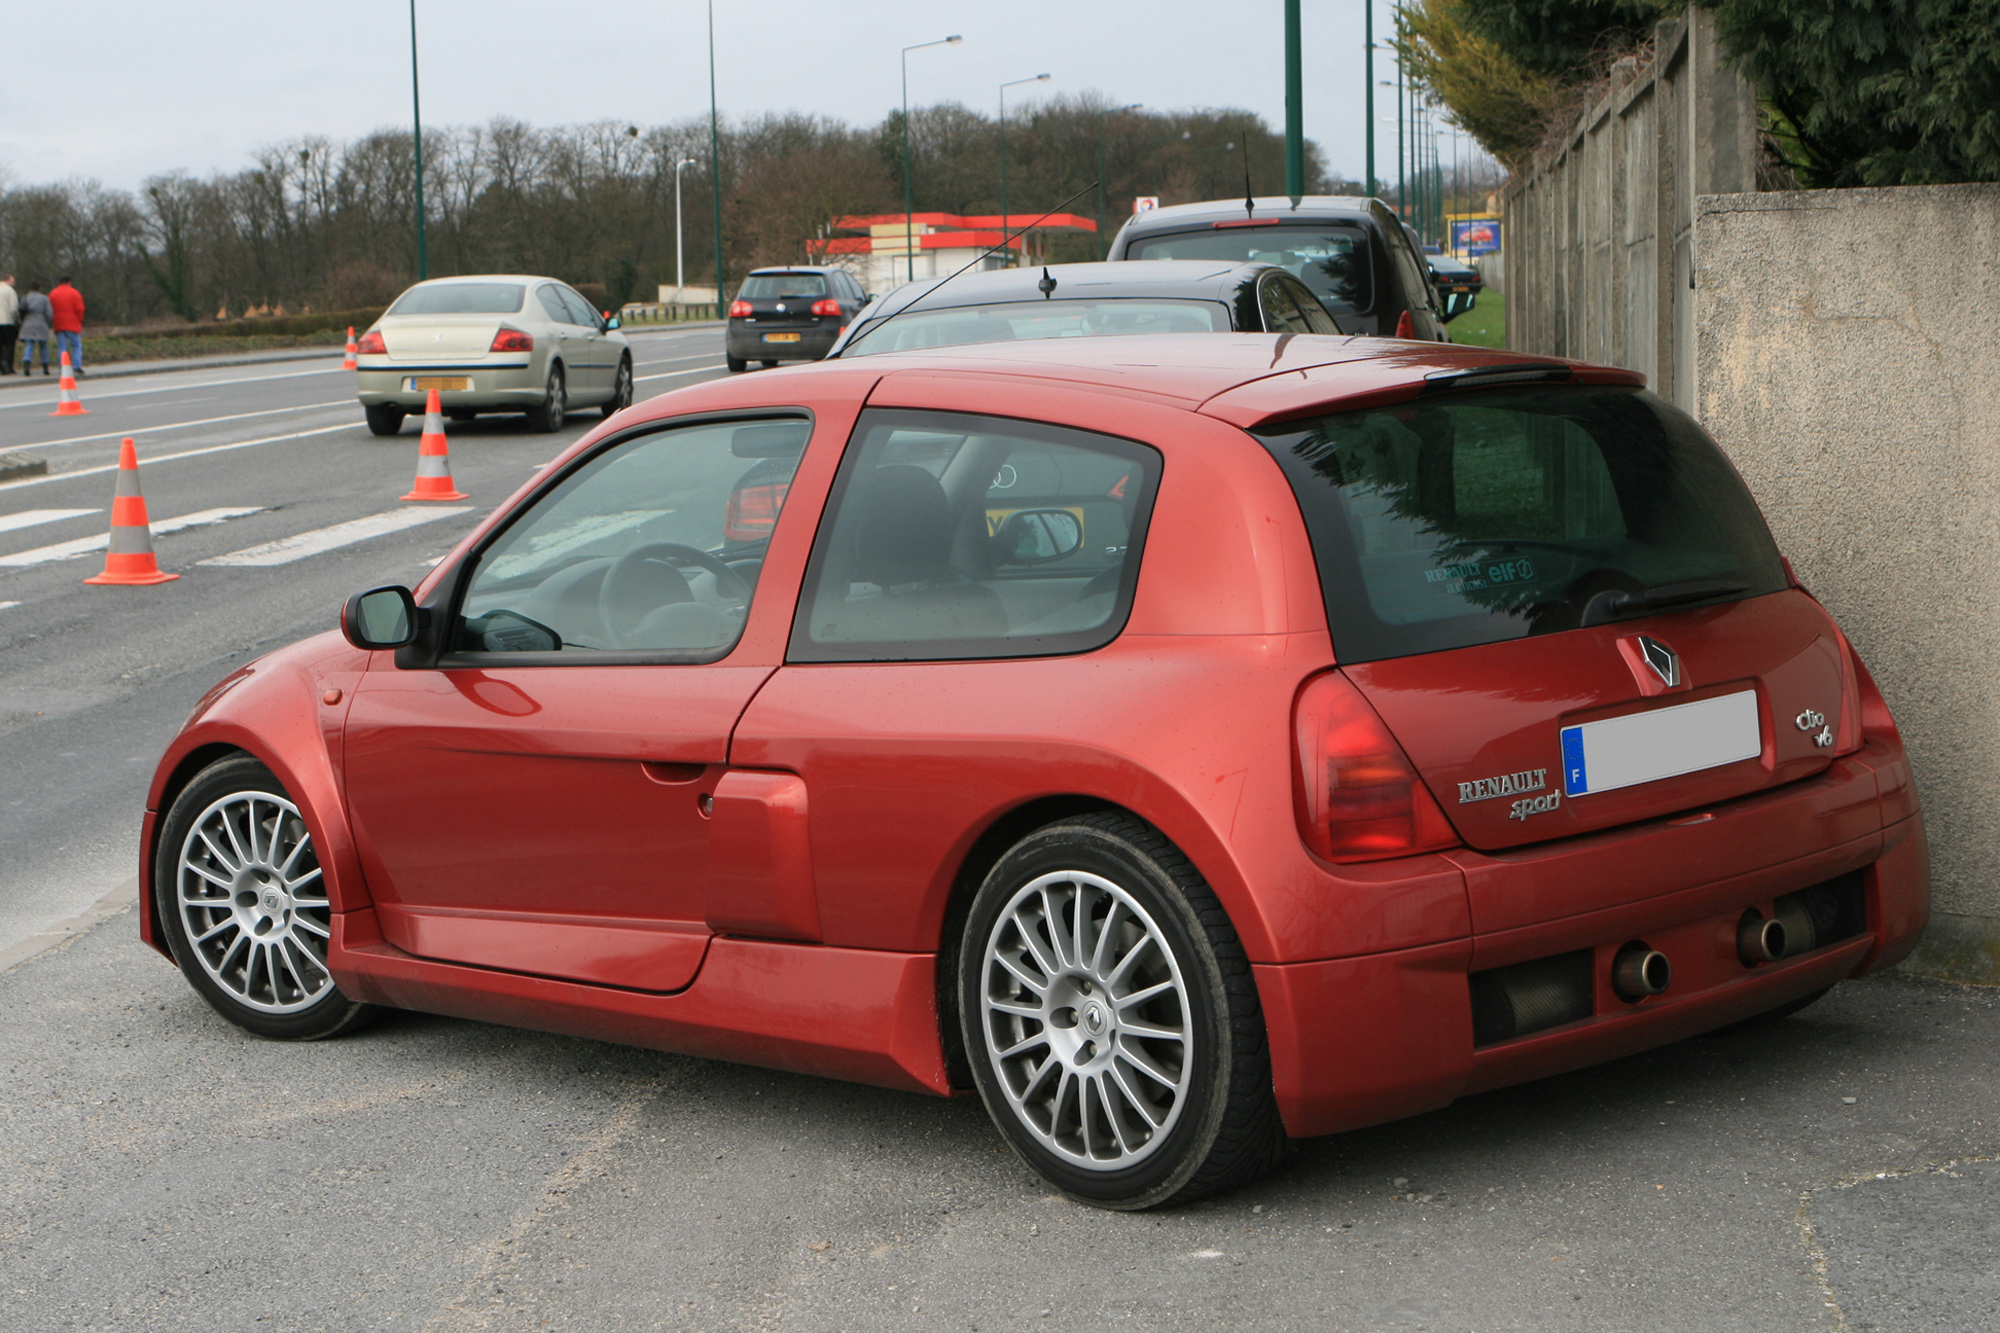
[
  {"x": 253, "y": 904},
  {"x": 1086, "y": 1020}
]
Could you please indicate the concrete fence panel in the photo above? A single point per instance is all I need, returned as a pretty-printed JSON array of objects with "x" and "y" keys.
[{"x": 1845, "y": 360}]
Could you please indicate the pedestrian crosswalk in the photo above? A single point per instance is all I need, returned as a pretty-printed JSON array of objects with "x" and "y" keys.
[
  {"x": 297, "y": 547},
  {"x": 69, "y": 550},
  {"x": 29, "y": 518}
]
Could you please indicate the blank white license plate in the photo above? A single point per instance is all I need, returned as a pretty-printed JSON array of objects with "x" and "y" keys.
[
  {"x": 1645, "y": 747},
  {"x": 442, "y": 383}
]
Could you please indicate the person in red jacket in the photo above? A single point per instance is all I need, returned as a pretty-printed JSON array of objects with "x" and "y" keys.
[{"x": 67, "y": 303}]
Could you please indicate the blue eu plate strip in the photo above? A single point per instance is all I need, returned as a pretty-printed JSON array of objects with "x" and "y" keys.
[{"x": 1576, "y": 781}]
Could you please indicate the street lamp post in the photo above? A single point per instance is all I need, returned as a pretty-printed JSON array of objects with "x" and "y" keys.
[
  {"x": 680, "y": 273},
  {"x": 1368, "y": 84},
  {"x": 909, "y": 205},
  {"x": 417, "y": 122},
  {"x": 1038, "y": 78},
  {"x": 715, "y": 164},
  {"x": 1103, "y": 221}
]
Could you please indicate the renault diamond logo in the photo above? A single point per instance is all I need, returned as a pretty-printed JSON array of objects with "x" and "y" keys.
[{"x": 1661, "y": 658}]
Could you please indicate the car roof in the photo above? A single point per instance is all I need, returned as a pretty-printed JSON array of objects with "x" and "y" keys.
[
  {"x": 1269, "y": 208},
  {"x": 1244, "y": 378},
  {"x": 793, "y": 268},
  {"x": 485, "y": 277},
  {"x": 1204, "y": 279}
]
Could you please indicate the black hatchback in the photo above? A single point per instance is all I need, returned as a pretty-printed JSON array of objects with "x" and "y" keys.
[
  {"x": 790, "y": 314},
  {"x": 1086, "y": 300},
  {"x": 1354, "y": 254}
]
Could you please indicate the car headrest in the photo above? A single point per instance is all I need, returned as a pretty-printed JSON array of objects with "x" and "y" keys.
[{"x": 904, "y": 533}]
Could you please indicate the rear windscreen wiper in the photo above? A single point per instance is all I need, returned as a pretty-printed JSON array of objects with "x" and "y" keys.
[{"x": 1608, "y": 606}]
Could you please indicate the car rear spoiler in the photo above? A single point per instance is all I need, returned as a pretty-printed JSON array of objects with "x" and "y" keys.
[{"x": 1440, "y": 380}]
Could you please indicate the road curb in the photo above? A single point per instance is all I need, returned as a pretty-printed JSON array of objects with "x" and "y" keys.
[{"x": 111, "y": 904}]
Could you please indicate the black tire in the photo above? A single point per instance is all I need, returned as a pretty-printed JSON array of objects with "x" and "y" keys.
[
  {"x": 231, "y": 801},
  {"x": 621, "y": 389},
  {"x": 769, "y": 365},
  {"x": 384, "y": 418},
  {"x": 737, "y": 365},
  {"x": 1214, "y": 1123},
  {"x": 554, "y": 410}
]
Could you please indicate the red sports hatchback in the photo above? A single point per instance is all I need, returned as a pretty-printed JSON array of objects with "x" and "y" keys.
[{"x": 1184, "y": 742}]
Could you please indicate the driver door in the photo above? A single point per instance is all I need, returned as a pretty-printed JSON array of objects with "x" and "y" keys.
[{"x": 537, "y": 800}]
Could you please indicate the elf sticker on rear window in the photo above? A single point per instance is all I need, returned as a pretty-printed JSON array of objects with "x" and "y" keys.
[{"x": 1461, "y": 577}]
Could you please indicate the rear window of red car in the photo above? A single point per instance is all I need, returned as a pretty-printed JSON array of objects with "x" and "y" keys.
[{"x": 1474, "y": 517}]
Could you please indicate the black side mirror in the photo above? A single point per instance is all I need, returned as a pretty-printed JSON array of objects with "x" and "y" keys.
[
  {"x": 1456, "y": 304},
  {"x": 1030, "y": 536},
  {"x": 380, "y": 618}
]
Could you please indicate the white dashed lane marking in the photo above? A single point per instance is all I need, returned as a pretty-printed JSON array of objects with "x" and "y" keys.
[
  {"x": 300, "y": 545},
  {"x": 42, "y": 555},
  {"x": 29, "y": 518}
]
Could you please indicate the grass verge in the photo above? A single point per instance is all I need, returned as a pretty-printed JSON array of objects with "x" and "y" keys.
[{"x": 108, "y": 350}]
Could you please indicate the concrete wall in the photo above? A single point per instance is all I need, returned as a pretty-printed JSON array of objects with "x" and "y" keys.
[
  {"x": 1598, "y": 236},
  {"x": 1846, "y": 360}
]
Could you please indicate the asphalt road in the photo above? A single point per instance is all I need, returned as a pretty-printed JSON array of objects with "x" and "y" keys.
[
  {"x": 1839, "y": 1170},
  {"x": 94, "y": 680}
]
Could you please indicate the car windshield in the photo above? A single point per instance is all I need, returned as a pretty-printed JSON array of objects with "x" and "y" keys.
[
  {"x": 1476, "y": 517},
  {"x": 1331, "y": 259},
  {"x": 461, "y": 298},
  {"x": 779, "y": 286},
  {"x": 1025, "y": 321}
]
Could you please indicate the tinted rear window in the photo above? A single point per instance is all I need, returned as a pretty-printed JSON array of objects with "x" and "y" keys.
[
  {"x": 1025, "y": 321},
  {"x": 1476, "y": 517},
  {"x": 461, "y": 298},
  {"x": 767, "y": 286},
  {"x": 1332, "y": 259}
]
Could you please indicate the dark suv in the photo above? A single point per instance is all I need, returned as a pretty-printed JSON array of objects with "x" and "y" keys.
[
  {"x": 790, "y": 314},
  {"x": 1353, "y": 253}
]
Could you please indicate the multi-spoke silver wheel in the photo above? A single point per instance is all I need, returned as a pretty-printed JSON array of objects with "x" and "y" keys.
[
  {"x": 1086, "y": 1020},
  {"x": 252, "y": 903}
]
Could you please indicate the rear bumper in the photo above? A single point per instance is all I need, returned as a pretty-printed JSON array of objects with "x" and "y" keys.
[
  {"x": 747, "y": 343},
  {"x": 1362, "y": 1040},
  {"x": 515, "y": 386}
]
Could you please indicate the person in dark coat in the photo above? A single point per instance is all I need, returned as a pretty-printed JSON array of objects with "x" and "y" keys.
[{"x": 37, "y": 327}]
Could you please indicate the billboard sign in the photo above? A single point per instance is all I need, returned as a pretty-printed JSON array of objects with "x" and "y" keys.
[{"x": 1476, "y": 236}]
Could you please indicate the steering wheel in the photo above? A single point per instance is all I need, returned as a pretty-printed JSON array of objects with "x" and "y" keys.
[{"x": 644, "y": 579}]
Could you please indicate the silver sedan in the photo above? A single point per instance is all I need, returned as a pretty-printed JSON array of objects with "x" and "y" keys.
[{"x": 493, "y": 343}]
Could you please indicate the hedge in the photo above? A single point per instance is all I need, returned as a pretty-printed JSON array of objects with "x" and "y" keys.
[{"x": 281, "y": 325}]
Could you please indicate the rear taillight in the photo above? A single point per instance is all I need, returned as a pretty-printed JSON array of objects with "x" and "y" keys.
[
  {"x": 512, "y": 340},
  {"x": 1357, "y": 796},
  {"x": 371, "y": 344},
  {"x": 1405, "y": 326},
  {"x": 739, "y": 309},
  {"x": 752, "y": 512},
  {"x": 829, "y": 306}
]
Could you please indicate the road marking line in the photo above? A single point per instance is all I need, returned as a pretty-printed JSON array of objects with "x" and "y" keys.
[
  {"x": 158, "y": 459},
  {"x": 93, "y": 396},
  {"x": 694, "y": 370},
  {"x": 187, "y": 425},
  {"x": 42, "y": 555},
  {"x": 300, "y": 545},
  {"x": 29, "y": 518},
  {"x": 5, "y": 605}
]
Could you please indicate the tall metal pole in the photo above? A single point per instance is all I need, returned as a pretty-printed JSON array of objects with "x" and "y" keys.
[
  {"x": 1295, "y": 116},
  {"x": 1368, "y": 48},
  {"x": 680, "y": 272},
  {"x": 909, "y": 207},
  {"x": 417, "y": 120},
  {"x": 1039, "y": 78},
  {"x": 715, "y": 164},
  {"x": 1402, "y": 134}
]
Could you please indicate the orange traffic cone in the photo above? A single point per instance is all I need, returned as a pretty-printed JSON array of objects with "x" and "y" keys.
[
  {"x": 433, "y": 459},
  {"x": 66, "y": 403},
  {"x": 129, "y": 559},
  {"x": 350, "y": 363}
]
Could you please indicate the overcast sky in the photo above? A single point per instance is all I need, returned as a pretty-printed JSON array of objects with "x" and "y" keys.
[{"x": 118, "y": 90}]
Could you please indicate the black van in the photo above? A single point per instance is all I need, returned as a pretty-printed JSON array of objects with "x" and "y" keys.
[{"x": 1353, "y": 253}]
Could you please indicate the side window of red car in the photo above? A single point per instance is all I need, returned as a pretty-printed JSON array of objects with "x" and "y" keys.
[
  {"x": 652, "y": 547},
  {"x": 950, "y": 536}
]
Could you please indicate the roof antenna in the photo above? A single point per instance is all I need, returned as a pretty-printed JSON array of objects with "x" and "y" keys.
[
  {"x": 1249, "y": 195},
  {"x": 1047, "y": 286}
]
